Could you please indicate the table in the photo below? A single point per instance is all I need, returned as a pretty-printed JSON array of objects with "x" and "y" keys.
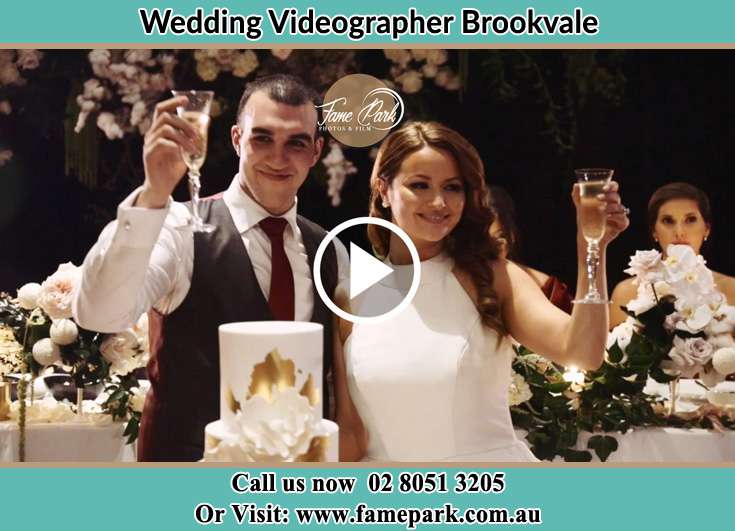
[
  {"x": 68, "y": 441},
  {"x": 669, "y": 445}
]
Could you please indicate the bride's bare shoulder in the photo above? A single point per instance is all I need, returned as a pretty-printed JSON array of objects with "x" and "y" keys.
[
  {"x": 625, "y": 291},
  {"x": 726, "y": 284}
]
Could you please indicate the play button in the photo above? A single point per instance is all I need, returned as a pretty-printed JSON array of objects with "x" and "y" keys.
[
  {"x": 400, "y": 283},
  {"x": 365, "y": 270}
]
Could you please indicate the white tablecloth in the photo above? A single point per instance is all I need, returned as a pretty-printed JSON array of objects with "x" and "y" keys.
[
  {"x": 66, "y": 442},
  {"x": 669, "y": 445}
]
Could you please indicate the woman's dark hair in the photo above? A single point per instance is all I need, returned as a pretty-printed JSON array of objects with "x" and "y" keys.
[
  {"x": 504, "y": 209},
  {"x": 678, "y": 190},
  {"x": 469, "y": 243}
]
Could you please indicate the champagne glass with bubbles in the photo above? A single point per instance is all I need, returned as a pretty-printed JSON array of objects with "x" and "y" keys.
[
  {"x": 196, "y": 112},
  {"x": 592, "y": 219}
]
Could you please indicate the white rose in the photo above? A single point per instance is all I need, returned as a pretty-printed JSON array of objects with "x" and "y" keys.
[
  {"x": 64, "y": 332},
  {"x": 724, "y": 361},
  {"x": 28, "y": 296},
  {"x": 46, "y": 352},
  {"x": 411, "y": 81},
  {"x": 642, "y": 263},
  {"x": 121, "y": 351},
  {"x": 519, "y": 391},
  {"x": 691, "y": 354},
  {"x": 137, "y": 399},
  {"x": 57, "y": 291}
]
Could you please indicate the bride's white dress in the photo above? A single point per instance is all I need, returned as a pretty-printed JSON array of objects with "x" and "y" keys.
[{"x": 432, "y": 382}]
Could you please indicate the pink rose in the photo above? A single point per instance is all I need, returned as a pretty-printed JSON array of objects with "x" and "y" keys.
[
  {"x": 121, "y": 351},
  {"x": 57, "y": 291},
  {"x": 691, "y": 354}
]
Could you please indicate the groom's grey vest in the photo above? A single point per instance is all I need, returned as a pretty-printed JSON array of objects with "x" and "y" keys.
[{"x": 184, "y": 366}]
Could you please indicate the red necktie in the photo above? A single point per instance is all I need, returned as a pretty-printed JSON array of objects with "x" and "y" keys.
[{"x": 281, "y": 295}]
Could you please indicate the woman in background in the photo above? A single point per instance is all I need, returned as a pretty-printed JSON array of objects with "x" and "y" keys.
[{"x": 678, "y": 213}]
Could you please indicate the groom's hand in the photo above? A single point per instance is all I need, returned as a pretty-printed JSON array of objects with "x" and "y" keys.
[{"x": 162, "y": 160}]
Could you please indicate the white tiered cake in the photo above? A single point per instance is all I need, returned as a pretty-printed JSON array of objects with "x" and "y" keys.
[{"x": 270, "y": 395}]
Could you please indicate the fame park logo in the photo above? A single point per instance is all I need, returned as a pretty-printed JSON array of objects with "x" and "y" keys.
[{"x": 360, "y": 110}]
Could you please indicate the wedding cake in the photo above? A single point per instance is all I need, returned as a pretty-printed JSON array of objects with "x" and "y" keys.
[{"x": 270, "y": 395}]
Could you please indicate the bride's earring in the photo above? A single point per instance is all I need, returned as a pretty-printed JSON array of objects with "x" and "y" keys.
[{"x": 386, "y": 204}]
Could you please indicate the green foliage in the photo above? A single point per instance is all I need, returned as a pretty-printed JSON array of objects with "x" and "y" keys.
[{"x": 610, "y": 401}]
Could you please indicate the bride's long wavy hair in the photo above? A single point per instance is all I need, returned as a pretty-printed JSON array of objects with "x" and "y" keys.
[{"x": 470, "y": 243}]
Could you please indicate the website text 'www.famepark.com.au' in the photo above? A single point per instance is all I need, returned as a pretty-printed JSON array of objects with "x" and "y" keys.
[
  {"x": 404, "y": 483},
  {"x": 410, "y": 517}
]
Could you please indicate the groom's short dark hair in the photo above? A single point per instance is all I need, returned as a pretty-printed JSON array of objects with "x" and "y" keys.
[{"x": 282, "y": 88}]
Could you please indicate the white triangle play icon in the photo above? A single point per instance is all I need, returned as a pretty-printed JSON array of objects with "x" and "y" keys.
[{"x": 365, "y": 270}]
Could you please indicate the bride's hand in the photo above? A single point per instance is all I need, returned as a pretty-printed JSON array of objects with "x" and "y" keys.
[{"x": 616, "y": 214}]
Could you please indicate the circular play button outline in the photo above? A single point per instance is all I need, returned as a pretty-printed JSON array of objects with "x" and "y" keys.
[{"x": 416, "y": 261}]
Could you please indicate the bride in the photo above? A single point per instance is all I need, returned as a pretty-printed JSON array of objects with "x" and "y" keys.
[{"x": 432, "y": 382}]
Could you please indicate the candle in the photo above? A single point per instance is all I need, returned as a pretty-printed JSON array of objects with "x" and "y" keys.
[{"x": 574, "y": 376}]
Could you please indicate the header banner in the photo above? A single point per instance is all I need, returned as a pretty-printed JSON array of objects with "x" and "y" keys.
[{"x": 379, "y": 22}]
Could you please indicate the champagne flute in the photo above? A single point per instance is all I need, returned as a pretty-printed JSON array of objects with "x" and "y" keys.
[
  {"x": 196, "y": 112},
  {"x": 592, "y": 219}
]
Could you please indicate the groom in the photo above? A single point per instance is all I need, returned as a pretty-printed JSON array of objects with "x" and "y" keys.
[{"x": 256, "y": 265}]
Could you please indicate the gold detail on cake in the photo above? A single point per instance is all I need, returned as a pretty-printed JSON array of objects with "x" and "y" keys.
[
  {"x": 232, "y": 404},
  {"x": 273, "y": 371},
  {"x": 317, "y": 451},
  {"x": 309, "y": 390}
]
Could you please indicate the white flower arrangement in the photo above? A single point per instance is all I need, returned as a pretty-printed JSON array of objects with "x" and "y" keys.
[
  {"x": 677, "y": 299},
  {"x": 38, "y": 331},
  {"x": 126, "y": 86},
  {"x": 519, "y": 391},
  {"x": 410, "y": 68}
]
